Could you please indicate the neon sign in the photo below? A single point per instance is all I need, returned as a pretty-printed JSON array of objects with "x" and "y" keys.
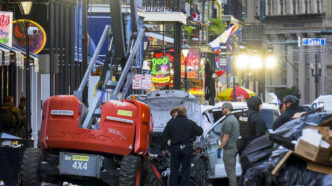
[{"x": 160, "y": 69}]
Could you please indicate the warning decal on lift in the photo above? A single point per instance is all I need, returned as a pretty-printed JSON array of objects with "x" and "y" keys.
[
  {"x": 62, "y": 112},
  {"x": 125, "y": 113},
  {"x": 119, "y": 119},
  {"x": 80, "y": 158}
]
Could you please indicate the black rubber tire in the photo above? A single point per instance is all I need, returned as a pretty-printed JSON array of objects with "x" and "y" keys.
[
  {"x": 129, "y": 166},
  {"x": 200, "y": 172},
  {"x": 31, "y": 160},
  {"x": 152, "y": 176}
]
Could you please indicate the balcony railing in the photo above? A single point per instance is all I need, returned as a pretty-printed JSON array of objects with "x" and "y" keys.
[{"x": 164, "y": 5}]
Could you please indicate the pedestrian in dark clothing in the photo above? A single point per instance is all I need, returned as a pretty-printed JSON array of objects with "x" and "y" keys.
[
  {"x": 181, "y": 132},
  {"x": 256, "y": 124},
  {"x": 229, "y": 136},
  {"x": 10, "y": 117},
  {"x": 292, "y": 106},
  {"x": 174, "y": 113},
  {"x": 256, "y": 128},
  {"x": 21, "y": 130},
  {"x": 282, "y": 107}
]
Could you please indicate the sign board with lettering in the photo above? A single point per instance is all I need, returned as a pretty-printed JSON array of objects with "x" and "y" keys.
[
  {"x": 146, "y": 82},
  {"x": 160, "y": 69},
  {"x": 313, "y": 41},
  {"x": 141, "y": 81},
  {"x": 137, "y": 81},
  {"x": 6, "y": 28}
]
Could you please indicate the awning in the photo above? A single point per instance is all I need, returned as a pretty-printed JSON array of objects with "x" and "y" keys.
[
  {"x": 165, "y": 17},
  {"x": 159, "y": 36},
  {"x": 6, "y": 51}
]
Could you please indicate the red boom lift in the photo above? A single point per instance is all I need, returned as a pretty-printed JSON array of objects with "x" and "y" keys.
[{"x": 107, "y": 141}]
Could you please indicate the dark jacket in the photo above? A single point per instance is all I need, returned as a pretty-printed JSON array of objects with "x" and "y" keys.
[
  {"x": 287, "y": 115},
  {"x": 256, "y": 125},
  {"x": 10, "y": 119},
  {"x": 180, "y": 131}
]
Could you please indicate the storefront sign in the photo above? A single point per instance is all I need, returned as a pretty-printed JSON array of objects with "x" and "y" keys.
[
  {"x": 193, "y": 64},
  {"x": 6, "y": 28},
  {"x": 146, "y": 82},
  {"x": 160, "y": 69},
  {"x": 37, "y": 35},
  {"x": 137, "y": 81},
  {"x": 141, "y": 81}
]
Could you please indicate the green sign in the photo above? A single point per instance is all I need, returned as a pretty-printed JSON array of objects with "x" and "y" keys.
[{"x": 160, "y": 69}]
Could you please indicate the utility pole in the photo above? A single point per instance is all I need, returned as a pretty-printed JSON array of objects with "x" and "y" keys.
[
  {"x": 316, "y": 72},
  {"x": 84, "y": 49},
  {"x": 177, "y": 56}
]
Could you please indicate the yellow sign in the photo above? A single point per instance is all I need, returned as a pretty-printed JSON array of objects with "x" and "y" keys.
[
  {"x": 80, "y": 158},
  {"x": 125, "y": 113},
  {"x": 161, "y": 80}
]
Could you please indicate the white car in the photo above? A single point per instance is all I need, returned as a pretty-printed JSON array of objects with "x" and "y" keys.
[
  {"x": 324, "y": 101},
  {"x": 212, "y": 121}
]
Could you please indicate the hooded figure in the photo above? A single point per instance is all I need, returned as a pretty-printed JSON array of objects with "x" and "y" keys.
[
  {"x": 292, "y": 106},
  {"x": 256, "y": 125}
]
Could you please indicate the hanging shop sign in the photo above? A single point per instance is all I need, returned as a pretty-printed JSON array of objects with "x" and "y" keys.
[
  {"x": 146, "y": 82},
  {"x": 37, "y": 35},
  {"x": 193, "y": 66},
  {"x": 160, "y": 69},
  {"x": 6, "y": 28},
  {"x": 141, "y": 81},
  {"x": 137, "y": 81}
]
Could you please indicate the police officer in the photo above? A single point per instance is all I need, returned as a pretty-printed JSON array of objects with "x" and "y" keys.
[
  {"x": 10, "y": 117},
  {"x": 229, "y": 136},
  {"x": 181, "y": 132},
  {"x": 256, "y": 124},
  {"x": 292, "y": 106}
]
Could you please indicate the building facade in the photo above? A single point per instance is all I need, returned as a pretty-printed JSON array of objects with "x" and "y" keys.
[{"x": 287, "y": 22}]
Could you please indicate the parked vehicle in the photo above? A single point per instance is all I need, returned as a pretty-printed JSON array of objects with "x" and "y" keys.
[
  {"x": 206, "y": 165},
  {"x": 323, "y": 101},
  {"x": 210, "y": 141}
]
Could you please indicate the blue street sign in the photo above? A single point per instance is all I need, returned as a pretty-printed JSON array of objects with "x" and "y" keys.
[{"x": 313, "y": 41}]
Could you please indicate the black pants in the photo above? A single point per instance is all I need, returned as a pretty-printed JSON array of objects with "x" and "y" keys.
[{"x": 180, "y": 156}]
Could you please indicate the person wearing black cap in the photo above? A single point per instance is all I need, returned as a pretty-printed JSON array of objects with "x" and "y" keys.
[
  {"x": 292, "y": 106},
  {"x": 256, "y": 124},
  {"x": 181, "y": 131},
  {"x": 229, "y": 136}
]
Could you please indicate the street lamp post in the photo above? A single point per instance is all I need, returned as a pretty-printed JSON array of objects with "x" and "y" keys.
[
  {"x": 25, "y": 7},
  {"x": 185, "y": 52},
  {"x": 316, "y": 72}
]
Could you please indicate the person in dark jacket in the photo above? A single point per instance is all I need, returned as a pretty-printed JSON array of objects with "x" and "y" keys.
[
  {"x": 181, "y": 131},
  {"x": 256, "y": 124},
  {"x": 292, "y": 106},
  {"x": 256, "y": 128},
  {"x": 10, "y": 117}
]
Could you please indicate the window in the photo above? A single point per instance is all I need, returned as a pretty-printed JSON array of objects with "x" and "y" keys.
[
  {"x": 269, "y": 7},
  {"x": 294, "y": 7},
  {"x": 318, "y": 6},
  {"x": 281, "y": 7},
  {"x": 306, "y": 6}
]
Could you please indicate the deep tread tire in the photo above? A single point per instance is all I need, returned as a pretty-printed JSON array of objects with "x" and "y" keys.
[
  {"x": 152, "y": 176},
  {"x": 30, "y": 166},
  {"x": 128, "y": 170},
  {"x": 200, "y": 173}
]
